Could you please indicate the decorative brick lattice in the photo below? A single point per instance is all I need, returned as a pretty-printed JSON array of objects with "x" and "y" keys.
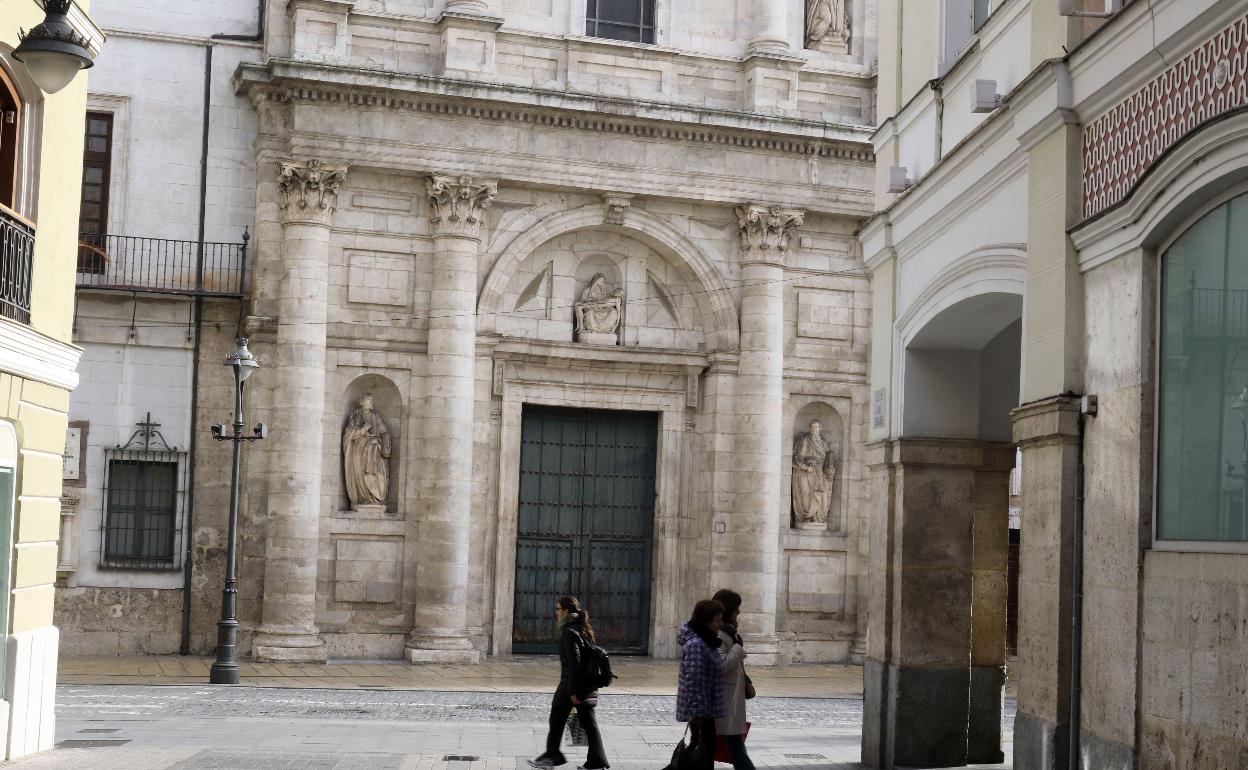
[{"x": 1121, "y": 145}]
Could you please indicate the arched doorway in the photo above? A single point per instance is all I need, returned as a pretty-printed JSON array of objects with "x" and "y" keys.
[
  {"x": 10, "y": 137},
  {"x": 935, "y": 676}
]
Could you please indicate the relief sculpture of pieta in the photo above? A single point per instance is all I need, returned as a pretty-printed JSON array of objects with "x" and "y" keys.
[
  {"x": 826, "y": 21},
  {"x": 366, "y": 458},
  {"x": 814, "y": 471},
  {"x": 598, "y": 311}
]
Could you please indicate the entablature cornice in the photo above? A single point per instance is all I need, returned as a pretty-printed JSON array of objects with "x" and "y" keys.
[
  {"x": 570, "y": 355},
  {"x": 285, "y": 80}
]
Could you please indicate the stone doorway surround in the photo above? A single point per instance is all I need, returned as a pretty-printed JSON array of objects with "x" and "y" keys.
[{"x": 571, "y": 375}]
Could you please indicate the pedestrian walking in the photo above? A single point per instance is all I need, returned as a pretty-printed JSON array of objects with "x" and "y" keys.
[
  {"x": 700, "y": 688},
  {"x": 574, "y": 690},
  {"x": 731, "y": 727}
]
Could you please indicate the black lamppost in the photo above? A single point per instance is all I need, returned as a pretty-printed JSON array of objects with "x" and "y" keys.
[
  {"x": 225, "y": 669},
  {"x": 52, "y": 51}
]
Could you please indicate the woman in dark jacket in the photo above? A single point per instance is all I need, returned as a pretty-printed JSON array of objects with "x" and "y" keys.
[
  {"x": 700, "y": 688},
  {"x": 575, "y": 635}
]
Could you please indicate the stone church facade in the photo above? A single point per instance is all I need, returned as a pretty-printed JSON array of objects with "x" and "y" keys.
[
  {"x": 541, "y": 312},
  {"x": 430, "y": 239}
]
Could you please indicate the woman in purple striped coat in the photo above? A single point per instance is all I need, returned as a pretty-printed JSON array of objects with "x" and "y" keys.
[{"x": 700, "y": 689}]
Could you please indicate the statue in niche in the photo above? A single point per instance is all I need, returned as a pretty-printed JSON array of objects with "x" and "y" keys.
[
  {"x": 814, "y": 470},
  {"x": 598, "y": 312},
  {"x": 365, "y": 458},
  {"x": 826, "y": 21}
]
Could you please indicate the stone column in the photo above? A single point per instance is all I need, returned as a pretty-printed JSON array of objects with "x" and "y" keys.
[
  {"x": 307, "y": 193},
  {"x": 771, "y": 27},
  {"x": 1047, "y": 432},
  {"x": 924, "y": 694},
  {"x": 759, "y": 405},
  {"x": 440, "y": 630}
]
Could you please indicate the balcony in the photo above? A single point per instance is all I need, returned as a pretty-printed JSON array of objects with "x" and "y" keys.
[
  {"x": 17, "y": 259},
  {"x": 161, "y": 266}
]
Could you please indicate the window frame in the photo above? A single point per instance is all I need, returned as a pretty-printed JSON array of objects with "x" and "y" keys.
[
  {"x": 1158, "y": 255},
  {"x": 642, "y": 28},
  {"x": 101, "y": 160},
  {"x": 177, "y": 532}
]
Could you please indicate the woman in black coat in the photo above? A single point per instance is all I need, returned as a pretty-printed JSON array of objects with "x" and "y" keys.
[{"x": 575, "y": 636}]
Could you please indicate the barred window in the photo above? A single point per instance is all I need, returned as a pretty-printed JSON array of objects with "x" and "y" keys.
[
  {"x": 629, "y": 20},
  {"x": 144, "y": 498}
]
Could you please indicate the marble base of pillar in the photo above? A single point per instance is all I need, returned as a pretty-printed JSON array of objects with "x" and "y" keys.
[
  {"x": 449, "y": 647},
  {"x": 282, "y": 646}
]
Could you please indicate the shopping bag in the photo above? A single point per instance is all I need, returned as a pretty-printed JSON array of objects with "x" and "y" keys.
[
  {"x": 721, "y": 746},
  {"x": 576, "y": 732},
  {"x": 681, "y": 755}
]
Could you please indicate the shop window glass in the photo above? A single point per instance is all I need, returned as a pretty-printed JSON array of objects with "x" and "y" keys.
[{"x": 1203, "y": 399}]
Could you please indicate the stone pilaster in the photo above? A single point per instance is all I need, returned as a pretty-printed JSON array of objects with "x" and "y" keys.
[
  {"x": 754, "y": 528},
  {"x": 1047, "y": 432},
  {"x": 440, "y": 630},
  {"x": 307, "y": 196},
  {"x": 928, "y": 699}
]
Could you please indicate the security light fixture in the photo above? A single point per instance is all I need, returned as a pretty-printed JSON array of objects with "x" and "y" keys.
[
  {"x": 898, "y": 181},
  {"x": 52, "y": 51},
  {"x": 1071, "y": 8},
  {"x": 984, "y": 96}
]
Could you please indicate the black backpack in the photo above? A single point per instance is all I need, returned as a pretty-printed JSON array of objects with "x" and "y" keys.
[{"x": 597, "y": 665}]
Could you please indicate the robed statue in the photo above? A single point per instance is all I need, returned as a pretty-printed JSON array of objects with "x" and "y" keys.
[
  {"x": 598, "y": 311},
  {"x": 825, "y": 20},
  {"x": 814, "y": 470},
  {"x": 365, "y": 457}
]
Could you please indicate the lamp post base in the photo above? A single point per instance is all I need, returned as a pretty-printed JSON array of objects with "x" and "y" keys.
[{"x": 224, "y": 673}]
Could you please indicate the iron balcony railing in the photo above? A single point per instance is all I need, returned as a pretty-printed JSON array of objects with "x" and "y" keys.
[
  {"x": 160, "y": 265},
  {"x": 17, "y": 260}
]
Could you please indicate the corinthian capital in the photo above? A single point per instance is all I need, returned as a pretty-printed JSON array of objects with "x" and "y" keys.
[
  {"x": 308, "y": 190},
  {"x": 765, "y": 232},
  {"x": 457, "y": 204}
]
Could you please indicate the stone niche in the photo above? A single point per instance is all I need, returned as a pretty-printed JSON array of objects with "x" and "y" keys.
[
  {"x": 388, "y": 405},
  {"x": 833, "y": 433}
]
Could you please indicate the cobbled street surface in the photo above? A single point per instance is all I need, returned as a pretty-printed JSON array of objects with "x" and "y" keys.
[{"x": 133, "y": 727}]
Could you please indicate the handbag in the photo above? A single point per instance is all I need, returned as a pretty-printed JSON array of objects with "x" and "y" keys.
[
  {"x": 686, "y": 758},
  {"x": 721, "y": 746},
  {"x": 750, "y": 692},
  {"x": 576, "y": 731}
]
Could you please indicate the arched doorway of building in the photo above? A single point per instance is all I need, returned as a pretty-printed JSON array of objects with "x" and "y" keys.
[
  {"x": 10, "y": 125},
  {"x": 935, "y": 682}
]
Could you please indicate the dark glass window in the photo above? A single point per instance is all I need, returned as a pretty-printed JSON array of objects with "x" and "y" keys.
[
  {"x": 141, "y": 521},
  {"x": 631, "y": 20},
  {"x": 97, "y": 160},
  {"x": 1203, "y": 404}
]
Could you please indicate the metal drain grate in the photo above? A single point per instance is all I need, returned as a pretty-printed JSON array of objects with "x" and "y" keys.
[
  {"x": 100, "y": 730},
  {"x": 460, "y": 758},
  {"x": 92, "y": 743},
  {"x": 804, "y": 756}
]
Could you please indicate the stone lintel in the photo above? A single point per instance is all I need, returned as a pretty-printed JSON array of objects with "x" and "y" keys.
[{"x": 950, "y": 453}]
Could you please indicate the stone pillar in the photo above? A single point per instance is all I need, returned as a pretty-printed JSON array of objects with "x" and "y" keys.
[
  {"x": 771, "y": 27},
  {"x": 759, "y": 406},
  {"x": 989, "y": 599},
  {"x": 1047, "y": 432},
  {"x": 307, "y": 193},
  {"x": 440, "y": 630},
  {"x": 921, "y": 697}
]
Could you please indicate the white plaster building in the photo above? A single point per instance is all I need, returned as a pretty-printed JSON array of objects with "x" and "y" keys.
[
  {"x": 167, "y": 164},
  {"x": 435, "y": 188}
]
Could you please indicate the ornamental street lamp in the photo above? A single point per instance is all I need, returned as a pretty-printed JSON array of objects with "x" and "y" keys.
[
  {"x": 52, "y": 51},
  {"x": 225, "y": 669}
]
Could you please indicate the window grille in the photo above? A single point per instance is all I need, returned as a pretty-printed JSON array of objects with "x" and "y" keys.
[
  {"x": 144, "y": 502},
  {"x": 629, "y": 20}
]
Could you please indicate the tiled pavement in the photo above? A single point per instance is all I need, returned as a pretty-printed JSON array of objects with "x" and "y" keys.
[{"x": 257, "y": 728}]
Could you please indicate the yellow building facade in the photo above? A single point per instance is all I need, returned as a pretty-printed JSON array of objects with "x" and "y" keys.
[{"x": 40, "y": 175}]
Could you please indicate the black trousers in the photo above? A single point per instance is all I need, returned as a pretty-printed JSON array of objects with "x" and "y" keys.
[
  {"x": 702, "y": 733},
  {"x": 560, "y": 707}
]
